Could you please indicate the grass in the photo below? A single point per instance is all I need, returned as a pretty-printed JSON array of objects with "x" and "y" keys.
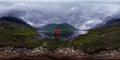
[
  {"x": 98, "y": 39},
  {"x": 17, "y": 35},
  {"x": 94, "y": 41}
]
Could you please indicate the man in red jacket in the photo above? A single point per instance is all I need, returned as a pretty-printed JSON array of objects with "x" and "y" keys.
[{"x": 57, "y": 32}]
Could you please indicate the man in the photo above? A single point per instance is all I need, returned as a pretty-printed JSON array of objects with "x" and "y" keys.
[{"x": 57, "y": 32}]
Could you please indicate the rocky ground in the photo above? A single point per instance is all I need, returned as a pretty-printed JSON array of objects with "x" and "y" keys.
[
  {"x": 12, "y": 53},
  {"x": 109, "y": 53},
  {"x": 9, "y": 52}
]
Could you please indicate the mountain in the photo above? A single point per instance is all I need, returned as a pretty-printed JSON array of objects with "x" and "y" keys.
[
  {"x": 62, "y": 27},
  {"x": 65, "y": 29},
  {"x": 113, "y": 22},
  {"x": 16, "y": 32},
  {"x": 16, "y": 20},
  {"x": 98, "y": 39}
]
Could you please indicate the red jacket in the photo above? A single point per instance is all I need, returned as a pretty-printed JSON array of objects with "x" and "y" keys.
[{"x": 57, "y": 31}]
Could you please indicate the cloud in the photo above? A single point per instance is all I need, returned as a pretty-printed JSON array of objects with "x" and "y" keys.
[
  {"x": 90, "y": 23},
  {"x": 81, "y": 15},
  {"x": 62, "y": 0}
]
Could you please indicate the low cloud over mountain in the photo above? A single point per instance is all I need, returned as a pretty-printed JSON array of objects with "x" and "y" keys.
[{"x": 81, "y": 15}]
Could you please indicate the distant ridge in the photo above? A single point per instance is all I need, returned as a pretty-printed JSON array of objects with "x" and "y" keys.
[
  {"x": 113, "y": 22},
  {"x": 65, "y": 29},
  {"x": 16, "y": 20}
]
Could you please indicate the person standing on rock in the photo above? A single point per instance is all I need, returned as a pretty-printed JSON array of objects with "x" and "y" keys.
[{"x": 57, "y": 32}]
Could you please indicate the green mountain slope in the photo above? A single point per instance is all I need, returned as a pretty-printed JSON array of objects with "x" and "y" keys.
[
  {"x": 65, "y": 29},
  {"x": 17, "y": 34},
  {"x": 62, "y": 27},
  {"x": 98, "y": 39}
]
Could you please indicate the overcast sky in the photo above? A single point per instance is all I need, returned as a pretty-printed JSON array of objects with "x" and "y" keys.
[
  {"x": 80, "y": 15},
  {"x": 66, "y": 0}
]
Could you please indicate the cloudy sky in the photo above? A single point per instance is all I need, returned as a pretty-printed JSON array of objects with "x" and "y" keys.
[
  {"x": 65, "y": 0},
  {"x": 80, "y": 15}
]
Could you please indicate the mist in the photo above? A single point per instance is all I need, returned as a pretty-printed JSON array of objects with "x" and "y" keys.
[{"x": 81, "y": 15}]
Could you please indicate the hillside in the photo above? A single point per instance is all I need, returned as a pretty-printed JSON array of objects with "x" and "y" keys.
[
  {"x": 16, "y": 32},
  {"x": 98, "y": 39}
]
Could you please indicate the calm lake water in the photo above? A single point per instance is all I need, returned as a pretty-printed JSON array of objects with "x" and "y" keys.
[{"x": 65, "y": 35}]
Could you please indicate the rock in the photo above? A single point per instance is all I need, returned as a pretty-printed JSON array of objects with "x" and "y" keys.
[
  {"x": 12, "y": 52},
  {"x": 110, "y": 53},
  {"x": 69, "y": 52}
]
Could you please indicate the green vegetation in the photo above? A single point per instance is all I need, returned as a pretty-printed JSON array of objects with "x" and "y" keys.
[
  {"x": 51, "y": 43},
  {"x": 16, "y": 34},
  {"x": 98, "y": 39},
  {"x": 64, "y": 28},
  {"x": 19, "y": 35},
  {"x": 95, "y": 40}
]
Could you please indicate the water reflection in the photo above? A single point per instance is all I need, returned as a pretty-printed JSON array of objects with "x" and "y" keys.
[{"x": 64, "y": 35}]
